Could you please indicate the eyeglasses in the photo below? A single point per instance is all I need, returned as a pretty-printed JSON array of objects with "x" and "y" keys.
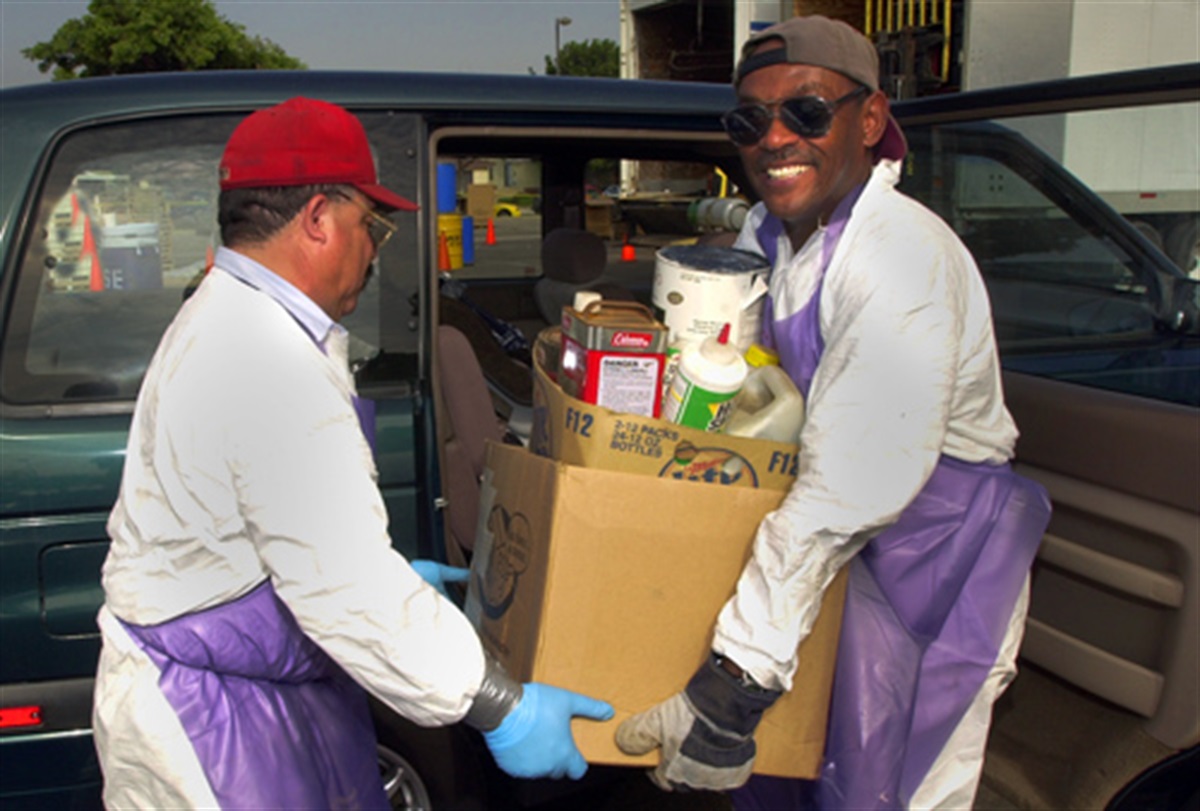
[
  {"x": 807, "y": 116},
  {"x": 379, "y": 227}
]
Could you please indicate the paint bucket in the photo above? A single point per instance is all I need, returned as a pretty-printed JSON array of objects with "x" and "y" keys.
[
  {"x": 452, "y": 226},
  {"x": 700, "y": 288}
]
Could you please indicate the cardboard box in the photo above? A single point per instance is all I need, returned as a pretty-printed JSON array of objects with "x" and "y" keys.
[
  {"x": 481, "y": 202},
  {"x": 598, "y": 218},
  {"x": 592, "y": 436},
  {"x": 609, "y": 584}
]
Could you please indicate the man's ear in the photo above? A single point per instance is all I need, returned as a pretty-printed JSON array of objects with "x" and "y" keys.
[
  {"x": 874, "y": 118},
  {"x": 315, "y": 218}
]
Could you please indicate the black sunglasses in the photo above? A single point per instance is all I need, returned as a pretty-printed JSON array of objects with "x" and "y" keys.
[{"x": 807, "y": 116}]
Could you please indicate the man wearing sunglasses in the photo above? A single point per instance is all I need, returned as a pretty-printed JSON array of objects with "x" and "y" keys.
[
  {"x": 251, "y": 589},
  {"x": 879, "y": 315}
]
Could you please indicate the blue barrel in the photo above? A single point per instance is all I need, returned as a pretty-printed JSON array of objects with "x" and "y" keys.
[
  {"x": 468, "y": 240},
  {"x": 447, "y": 188}
]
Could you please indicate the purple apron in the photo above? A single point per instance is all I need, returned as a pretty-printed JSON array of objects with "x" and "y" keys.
[
  {"x": 274, "y": 722},
  {"x": 927, "y": 606}
]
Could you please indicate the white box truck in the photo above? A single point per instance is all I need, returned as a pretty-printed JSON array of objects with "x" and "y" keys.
[
  {"x": 935, "y": 46},
  {"x": 1130, "y": 157}
]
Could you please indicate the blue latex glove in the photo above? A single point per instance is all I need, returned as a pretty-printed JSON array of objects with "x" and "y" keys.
[
  {"x": 534, "y": 740},
  {"x": 438, "y": 574}
]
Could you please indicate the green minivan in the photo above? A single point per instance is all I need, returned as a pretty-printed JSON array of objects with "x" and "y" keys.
[{"x": 108, "y": 218}]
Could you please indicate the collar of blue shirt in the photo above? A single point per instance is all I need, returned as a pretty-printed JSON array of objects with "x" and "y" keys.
[{"x": 315, "y": 321}]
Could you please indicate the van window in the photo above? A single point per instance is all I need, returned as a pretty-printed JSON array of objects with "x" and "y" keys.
[
  {"x": 563, "y": 211},
  {"x": 497, "y": 224},
  {"x": 1069, "y": 299},
  {"x": 123, "y": 229},
  {"x": 125, "y": 222}
]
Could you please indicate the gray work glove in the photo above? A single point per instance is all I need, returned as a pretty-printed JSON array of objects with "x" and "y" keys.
[{"x": 706, "y": 732}]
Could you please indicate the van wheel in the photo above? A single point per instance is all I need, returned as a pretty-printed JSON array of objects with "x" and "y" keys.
[
  {"x": 423, "y": 769},
  {"x": 402, "y": 783}
]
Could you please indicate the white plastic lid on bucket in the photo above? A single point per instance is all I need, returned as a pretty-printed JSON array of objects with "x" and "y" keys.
[{"x": 700, "y": 288}]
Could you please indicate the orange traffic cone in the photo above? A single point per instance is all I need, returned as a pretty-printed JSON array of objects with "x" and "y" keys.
[
  {"x": 96, "y": 277},
  {"x": 491, "y": 232},
  {"x": 88, "y": 251},
  {"x": 628, "y": 254},
  {"x": 443, "y": 251}
]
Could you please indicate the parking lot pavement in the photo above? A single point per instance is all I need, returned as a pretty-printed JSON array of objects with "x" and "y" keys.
[
  {"x": 633, "y": 791},
  {"x": 611, "y": 789},
  {"x": 989, "y": 800}
]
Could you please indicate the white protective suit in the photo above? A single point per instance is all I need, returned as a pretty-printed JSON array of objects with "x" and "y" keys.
[
  {"x": 246, "y": 464},
  {"x": 904, "y": 312}
]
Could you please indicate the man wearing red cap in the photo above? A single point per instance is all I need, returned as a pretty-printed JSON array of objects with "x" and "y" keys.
[
  {"x": 879, "y": 315},
  {"x": 251, "y": 589}
]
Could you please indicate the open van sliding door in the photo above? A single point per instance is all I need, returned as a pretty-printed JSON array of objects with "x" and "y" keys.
[{"x": 1111, "y": 641}]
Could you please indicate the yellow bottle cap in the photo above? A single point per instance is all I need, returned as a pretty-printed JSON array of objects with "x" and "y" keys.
[{"x": 759, "y": 355}]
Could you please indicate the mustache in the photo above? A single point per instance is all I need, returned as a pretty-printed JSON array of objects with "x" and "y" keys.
[{"x": 767, "y": 158}]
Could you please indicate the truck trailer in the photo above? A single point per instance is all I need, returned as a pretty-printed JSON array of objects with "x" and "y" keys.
[{"x": 931, "y": 47}]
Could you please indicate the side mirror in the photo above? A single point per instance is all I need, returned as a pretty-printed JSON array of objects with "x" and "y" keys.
[{"x": 1183, "y": 316}]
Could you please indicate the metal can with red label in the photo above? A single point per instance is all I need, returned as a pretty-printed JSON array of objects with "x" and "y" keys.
[{"x": 613, "y": 354}]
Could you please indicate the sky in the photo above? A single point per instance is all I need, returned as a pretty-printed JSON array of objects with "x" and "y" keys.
[{"x": 485, "y": 36}]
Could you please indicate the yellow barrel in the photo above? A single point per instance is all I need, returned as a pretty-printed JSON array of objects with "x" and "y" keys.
[{"x": 451, "y": 225}]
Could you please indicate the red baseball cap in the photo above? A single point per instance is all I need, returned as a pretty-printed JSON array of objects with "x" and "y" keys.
[{"x": 300, "y": 142}]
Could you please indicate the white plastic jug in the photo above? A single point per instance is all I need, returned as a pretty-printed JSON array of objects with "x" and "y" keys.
[{"x": 768, "y": 407}]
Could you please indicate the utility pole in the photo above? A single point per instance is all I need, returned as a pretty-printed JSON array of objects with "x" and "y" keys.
[{"x": 559, "y": 22}]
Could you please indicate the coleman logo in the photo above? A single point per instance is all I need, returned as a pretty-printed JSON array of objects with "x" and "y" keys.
[{"x": 631, "y": 340}]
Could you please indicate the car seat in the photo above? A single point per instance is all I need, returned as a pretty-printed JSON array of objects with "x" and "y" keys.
[
  {"x": 508, "y": 377},
  {"x": 467, "y": 419},
  {"x": 572, "y": 260}
]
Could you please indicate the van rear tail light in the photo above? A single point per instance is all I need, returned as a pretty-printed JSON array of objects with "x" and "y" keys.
[{"x": 16, "y": 717}]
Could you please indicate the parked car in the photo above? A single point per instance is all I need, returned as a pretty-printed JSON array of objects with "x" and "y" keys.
[
  {"x": 107, "y": 215},
  {"x": 502, "y": 208}
]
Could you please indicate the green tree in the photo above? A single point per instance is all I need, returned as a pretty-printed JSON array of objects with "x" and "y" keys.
[
  {"x": 592, "y": 57},
  {"x": 144, "y": 36}
]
